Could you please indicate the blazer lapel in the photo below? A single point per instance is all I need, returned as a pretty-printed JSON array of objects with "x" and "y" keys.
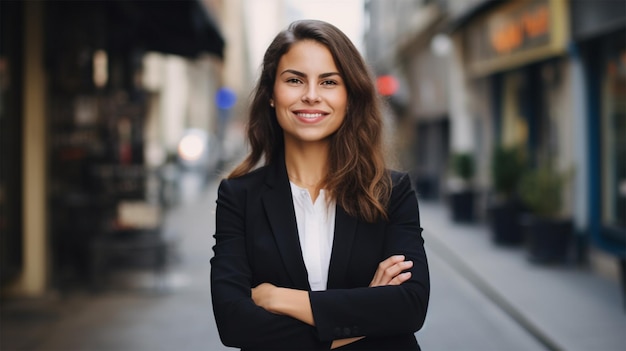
[
  {"x": 345, "y": 231},
  {"x": 278, "y": 205}
]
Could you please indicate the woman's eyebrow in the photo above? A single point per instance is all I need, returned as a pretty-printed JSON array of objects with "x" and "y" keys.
[{"x": 300, "y": 74}]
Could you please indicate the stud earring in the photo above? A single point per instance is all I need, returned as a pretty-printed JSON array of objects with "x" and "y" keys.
[{"x": 272, "y": 103}]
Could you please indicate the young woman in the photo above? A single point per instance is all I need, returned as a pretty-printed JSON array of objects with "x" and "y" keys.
[{"x": 320, "y": 246}]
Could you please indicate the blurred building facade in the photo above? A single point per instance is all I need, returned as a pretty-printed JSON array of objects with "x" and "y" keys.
[
  {"x": 83, "y": 96},
  {"x": 95, "y": 95},
  {"x": 401, "y": 49},
  {"x": 545, "y": 75}
]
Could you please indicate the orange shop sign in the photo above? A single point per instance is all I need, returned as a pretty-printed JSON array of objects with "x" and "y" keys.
[
  {"x": 515, "y": 31},
  {"x": 515, "y": 34}
]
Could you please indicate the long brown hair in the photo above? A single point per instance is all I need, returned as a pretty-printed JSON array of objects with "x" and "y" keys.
[{"x": 357, "y": 178}]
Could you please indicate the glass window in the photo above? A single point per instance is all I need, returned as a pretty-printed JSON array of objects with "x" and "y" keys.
[{"x": 614, "y": 138}]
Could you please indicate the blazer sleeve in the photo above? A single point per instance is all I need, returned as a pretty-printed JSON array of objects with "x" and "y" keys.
[
  {"x": 240, "y": 322},
  {"x": 386, "y": 310}
]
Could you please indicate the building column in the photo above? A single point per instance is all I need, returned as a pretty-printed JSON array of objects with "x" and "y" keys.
[
  {"x": 461, "y": 124},
  {"x": 33, "y": 281}
]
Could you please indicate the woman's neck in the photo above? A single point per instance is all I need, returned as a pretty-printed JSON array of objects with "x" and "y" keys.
[{"x": 307, "y": 166}]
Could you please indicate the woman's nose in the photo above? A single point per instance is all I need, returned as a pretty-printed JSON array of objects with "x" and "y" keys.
[{"x": 311, "y": 95}]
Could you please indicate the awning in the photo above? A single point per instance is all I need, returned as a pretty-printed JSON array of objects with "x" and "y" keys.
[{"x": 179, "y": 27}]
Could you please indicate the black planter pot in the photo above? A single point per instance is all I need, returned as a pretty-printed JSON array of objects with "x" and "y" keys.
[
  {"x": 504, "y": 220},
  {"x": 547, "y": 240},
  {"x": 462, "y": 206}
]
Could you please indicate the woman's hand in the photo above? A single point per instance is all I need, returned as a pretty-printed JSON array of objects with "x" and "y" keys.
[
  {"x": 296, "y": 303},
  {"x": 262, "y": 295},
  {"x": 390, "y": 271},
  {"x": 290, "y": 302}
]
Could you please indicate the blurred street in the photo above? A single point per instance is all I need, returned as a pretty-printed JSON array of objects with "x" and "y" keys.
[
  {"x": 117, "y": 116},
  {"x": 483, "y": 298}
]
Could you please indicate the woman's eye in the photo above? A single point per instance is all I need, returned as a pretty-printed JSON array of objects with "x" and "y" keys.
[
  {"x": 293, "y": 81},
  {"x": 329, "y": 82}
]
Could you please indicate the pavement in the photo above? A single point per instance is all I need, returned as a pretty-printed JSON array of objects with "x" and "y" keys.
[
  {"x": 138, "y": 310},
  {"x": 565, "y": 307},
  {"x": 562, "y": 307}
]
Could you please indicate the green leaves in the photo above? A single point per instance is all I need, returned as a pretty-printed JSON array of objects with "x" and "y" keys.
[
  {"x": 508, "y": 165},
  {"x": 463, "y": 165},
  {"x": 541, "y": 190}
]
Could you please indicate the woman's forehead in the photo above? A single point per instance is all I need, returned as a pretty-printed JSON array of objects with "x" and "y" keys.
[{"x": 308, "y": 56}]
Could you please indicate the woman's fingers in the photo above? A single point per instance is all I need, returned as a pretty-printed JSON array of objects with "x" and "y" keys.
[
  {"x": 382, "y": 268},
  {"x": 389, "y": 271},
  {"x": 394, "y": 276},
  {"x": 400, "y": 278}
]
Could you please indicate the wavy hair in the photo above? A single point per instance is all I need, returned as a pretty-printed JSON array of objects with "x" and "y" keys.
[{"x": 357, "y": 176}]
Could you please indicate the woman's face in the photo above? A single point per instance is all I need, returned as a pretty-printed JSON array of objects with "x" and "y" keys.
[{"x": 310, "y": 96}]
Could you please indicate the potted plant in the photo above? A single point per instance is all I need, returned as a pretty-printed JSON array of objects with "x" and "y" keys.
[
  {"x": 461, "y": 196},
  {"x": 547, "y": 232},
  {"x": 507, "y": 166}
]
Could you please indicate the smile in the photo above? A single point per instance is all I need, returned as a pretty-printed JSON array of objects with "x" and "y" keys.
[{"x": 310, "y": 115}]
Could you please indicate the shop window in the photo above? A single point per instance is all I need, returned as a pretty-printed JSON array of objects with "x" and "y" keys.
[{"x": 613, "y": 145}]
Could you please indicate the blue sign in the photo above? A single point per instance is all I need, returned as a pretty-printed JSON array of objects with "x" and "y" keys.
[{"x": 225, "y": 98}]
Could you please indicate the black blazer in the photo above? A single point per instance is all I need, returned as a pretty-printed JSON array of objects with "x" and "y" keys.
[{"x": 257, "y": 241}]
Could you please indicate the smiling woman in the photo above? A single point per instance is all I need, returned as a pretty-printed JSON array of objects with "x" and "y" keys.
[
  {"x": 309, "y": 95},
  {"x": 315, "y": 246}
]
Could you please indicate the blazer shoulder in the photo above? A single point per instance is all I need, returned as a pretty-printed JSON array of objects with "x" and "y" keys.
[
  {"x": 402, "y": 188},
  {"x": 399, "y": 177},
  {"x": 254, "y": 178}
]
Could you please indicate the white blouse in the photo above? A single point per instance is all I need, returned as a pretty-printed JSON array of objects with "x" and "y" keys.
[{"x": 316, "y": 229}]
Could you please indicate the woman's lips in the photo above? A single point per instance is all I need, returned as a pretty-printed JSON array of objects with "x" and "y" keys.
[{"x": 309, "y": 116}]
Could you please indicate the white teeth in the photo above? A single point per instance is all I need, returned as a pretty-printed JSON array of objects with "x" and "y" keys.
[{"x": 310, "y": 115}]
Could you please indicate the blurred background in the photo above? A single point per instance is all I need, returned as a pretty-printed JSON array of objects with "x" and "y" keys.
[{"x": 118, "y": 118}]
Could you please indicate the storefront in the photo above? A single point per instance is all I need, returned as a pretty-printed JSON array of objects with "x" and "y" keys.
[
  {"x": 515, "y": 87},
  {"x": 74, "y": 114},
  {"x": 599, "y": 34},
  {"x": 557, "y": 76},
  {"x": 520, "y": 47}
]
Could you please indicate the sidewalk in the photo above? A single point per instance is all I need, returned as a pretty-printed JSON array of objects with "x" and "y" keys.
[
  {"x": 139, "y": 311},
  {"x": 565, "y": 307}
]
